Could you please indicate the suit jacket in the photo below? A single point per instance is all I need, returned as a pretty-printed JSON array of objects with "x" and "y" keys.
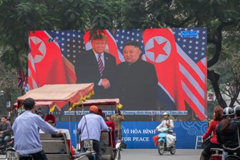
[
  {"x": 87, "y": 71},
  {"x": 137, "y": 85}
]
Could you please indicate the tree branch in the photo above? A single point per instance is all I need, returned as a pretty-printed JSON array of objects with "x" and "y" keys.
[
  {"x": 218, "y": 43},
  {"x": 180, "y": 24},
  {"x": 214, "y": 78},
  {"x": 234, "y": 98}
]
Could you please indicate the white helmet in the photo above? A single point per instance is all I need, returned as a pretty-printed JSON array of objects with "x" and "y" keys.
[
  {"x": 237, "y": 110},
  {"x": 228, "y": 111},
  {"x": 166, "y": 114}
]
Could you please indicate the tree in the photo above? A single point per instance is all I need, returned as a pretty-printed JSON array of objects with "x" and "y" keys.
[
  {"x": 219, "y": 16},
  {"x": 18, "y": 17}
]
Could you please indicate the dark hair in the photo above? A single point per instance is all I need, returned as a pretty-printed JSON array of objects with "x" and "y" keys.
[
  {"x": 225, "y": 123},
  {"x": 218, "y": 113},
  {"x": 132, "y": 43},
  {"x": 97, "y": 34},
  {"x": 28, "y": 104},
  {"x": 5, "y": 117}
]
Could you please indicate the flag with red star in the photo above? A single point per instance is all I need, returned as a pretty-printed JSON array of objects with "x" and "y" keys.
[
  {"x": 160, "y": 50},
  {"x": 45, "y": 61},
  {"x": 179, "y": 57}
]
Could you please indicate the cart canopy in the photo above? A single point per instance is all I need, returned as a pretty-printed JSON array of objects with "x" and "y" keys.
[
  {"x": 40, "y": 103},
  {"x": 90, "y": 102},
  {"x": 59, "y": 94}
]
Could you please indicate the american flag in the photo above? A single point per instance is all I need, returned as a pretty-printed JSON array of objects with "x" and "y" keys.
[
  {"x": 191, "y": 47},
  {"x": 21, "y": 78},
  {"x": 122, "y": 36},
  {"x": 71, "y": 44}
]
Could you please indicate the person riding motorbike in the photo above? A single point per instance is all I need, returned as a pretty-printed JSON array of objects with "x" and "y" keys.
[
  {"x": 237, "y": 112},
  {"x": 5, "y": 132},
  {"x": 217, "y": 117},
  {"x": 168, "y": 123},
  {"x": 228, "y": 131}
]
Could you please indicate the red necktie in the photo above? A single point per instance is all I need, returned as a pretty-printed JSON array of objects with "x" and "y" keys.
[{"x": 100, "y": 65}]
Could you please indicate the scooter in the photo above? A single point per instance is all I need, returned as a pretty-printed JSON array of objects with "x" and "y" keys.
[{"x": 162, "y": 142}]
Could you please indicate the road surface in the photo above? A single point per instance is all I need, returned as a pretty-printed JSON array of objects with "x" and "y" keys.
[{"x": 152, "y": 154}]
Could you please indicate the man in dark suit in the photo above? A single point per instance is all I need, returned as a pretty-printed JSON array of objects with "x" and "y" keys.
[
  {"x": 97, "y": 66},
  {"x": 136, "y": 80}
]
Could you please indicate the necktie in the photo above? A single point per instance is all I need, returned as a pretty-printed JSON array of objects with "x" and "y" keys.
[{"x": 100, "y": 65}]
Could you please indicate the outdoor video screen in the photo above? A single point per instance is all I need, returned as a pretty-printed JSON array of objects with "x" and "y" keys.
[{"x": 151, "y": 71}]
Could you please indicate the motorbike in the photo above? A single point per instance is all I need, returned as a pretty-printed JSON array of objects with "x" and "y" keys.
[
  {"x": 216, "y": 153},
  {"x": 163, "y": 145},
  {"x": 231, "y": 153},
  {"x": 10, "y": 143}
]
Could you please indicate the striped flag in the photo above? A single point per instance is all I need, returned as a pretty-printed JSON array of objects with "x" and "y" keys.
[
  {"x": 191, "y": 47},
  {"x": 71, "y": 45},
  {"x": 180, "y": 61}
]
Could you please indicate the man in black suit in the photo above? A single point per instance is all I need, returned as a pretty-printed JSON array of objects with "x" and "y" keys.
[
  {"x": 97, "y": 66},
  {"x": 136, "y": 80}
]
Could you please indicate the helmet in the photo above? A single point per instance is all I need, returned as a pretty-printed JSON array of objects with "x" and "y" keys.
[
  {"x": 237, "y": 110},
  {"x": 166, "y": 114},
  {"x": 93, "y": 109},
  {"x": 50, "y": 118},
  {"x": 228, "y": 111}
]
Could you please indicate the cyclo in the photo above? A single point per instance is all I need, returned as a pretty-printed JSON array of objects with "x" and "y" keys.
[
  {"x": 110, "y": 150},
  {"x": 57, "y": 96}
]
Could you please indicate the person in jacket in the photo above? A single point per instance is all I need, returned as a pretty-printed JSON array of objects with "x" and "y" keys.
[
  {"x": 217, "y": 117},
  {"x": 228, "y": 131},
  {"x": 97, "y": 66},
  {"x": 168, "y": 123},
  {"x": 5, "y": 131},
  {"x": 117, "y": 118}
]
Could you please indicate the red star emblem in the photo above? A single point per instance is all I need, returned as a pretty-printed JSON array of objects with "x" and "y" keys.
[
  {"x": 35, "y": 49},
  {"x": 158, "y": 49}
]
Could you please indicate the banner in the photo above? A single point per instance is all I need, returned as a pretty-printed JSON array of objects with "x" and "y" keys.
[
  {"x": 148, "y": 70},
  {"x": 138, "y": 135}
]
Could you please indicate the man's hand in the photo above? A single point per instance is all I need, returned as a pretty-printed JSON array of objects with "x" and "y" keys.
[
  {"x": 105, "y": 83},
  {"x": 59, "y": 134},
  {"x": 1, "y": 132},
  {"x": 156, "y": 129}
]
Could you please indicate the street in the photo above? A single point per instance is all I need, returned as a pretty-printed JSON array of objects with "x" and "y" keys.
[{"x": 152, "y": 154}]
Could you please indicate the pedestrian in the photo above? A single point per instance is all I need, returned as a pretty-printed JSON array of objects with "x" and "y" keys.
[{"x": 117, "y": 118}]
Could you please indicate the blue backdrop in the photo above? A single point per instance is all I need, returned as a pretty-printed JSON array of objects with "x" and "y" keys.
[{"x": 139, "y": 134}]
